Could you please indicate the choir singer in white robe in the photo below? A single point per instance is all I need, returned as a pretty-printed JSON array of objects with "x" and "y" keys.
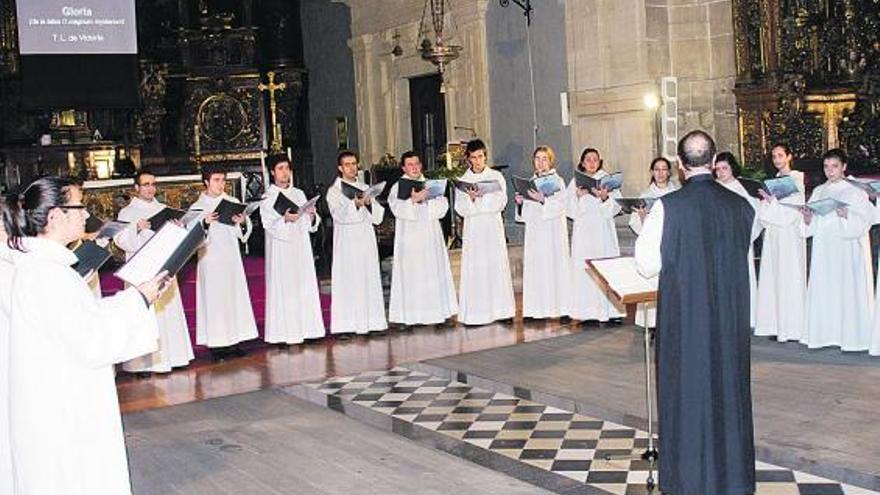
[
  {"x": 6, "y": 270},
  {"x": 485, "y": 292},
  {"x": 661, "y": 185},
  {"x": 293, "y": 306},
  {"x": 839, "y": 300},
  {"x": 66, "y": 430},
  {"x": 422, "y": 290},
  {"x": 175, "y": 347},
  {"x": 546, "y": 257},
  {"x": 726, "y": 170},
  {"x": 594, "y": 235},
  {"x": 357, "y": 303},
  {"x": 224, "y": 315},
  {"x": 782, "y": 284},
  {"x": 874, "y": 348}
]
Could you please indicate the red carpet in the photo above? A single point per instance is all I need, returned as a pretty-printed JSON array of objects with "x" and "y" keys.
[{"x": 255, "y": 270}]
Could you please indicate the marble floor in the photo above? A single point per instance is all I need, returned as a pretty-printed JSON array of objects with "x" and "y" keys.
[
  {"x": 271, "y": 443},
  {"x": 267, "y": 366},
  {"x": 552, "y": 448}
]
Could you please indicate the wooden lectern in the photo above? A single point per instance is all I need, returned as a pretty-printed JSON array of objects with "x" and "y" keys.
[{"x": 620, "y": 279}]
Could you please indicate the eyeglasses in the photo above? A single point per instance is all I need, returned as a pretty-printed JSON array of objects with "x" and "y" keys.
[{"x": 66, "y": 208}]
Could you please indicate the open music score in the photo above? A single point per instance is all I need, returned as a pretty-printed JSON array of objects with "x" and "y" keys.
[{"x": 619, "y": 277}]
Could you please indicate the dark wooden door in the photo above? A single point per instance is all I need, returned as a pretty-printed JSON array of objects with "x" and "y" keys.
[{"x": 428, "y": 112}]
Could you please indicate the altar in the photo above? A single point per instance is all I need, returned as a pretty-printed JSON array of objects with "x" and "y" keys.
[{"x": 104, "y": 198}]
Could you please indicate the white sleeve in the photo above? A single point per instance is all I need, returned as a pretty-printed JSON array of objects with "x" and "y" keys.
[
  {"x": 273, "y": 223},
  {"x": 403, "y": 209},
  {"x": 96, "y": 332},
  {"x": 647, "y": 251},
  {"x": 342, "y": 209},
  {"x": 635, "y": 223}
]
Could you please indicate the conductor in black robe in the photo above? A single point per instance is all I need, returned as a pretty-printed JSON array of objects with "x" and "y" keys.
[{"x": 697, "y": 239}]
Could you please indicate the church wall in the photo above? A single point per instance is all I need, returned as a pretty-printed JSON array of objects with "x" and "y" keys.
[
  {"x": 702, "y": 57},
  {"x": 618, "y": 50},
  {"x": 510, "y": 90},
  {"x": 331, "y": 81},
  {"x": 608, "y": 75},
  {"x": 382, "y": 79}
]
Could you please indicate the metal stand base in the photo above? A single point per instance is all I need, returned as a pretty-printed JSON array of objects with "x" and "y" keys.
[{"x": 650, "y": 454}]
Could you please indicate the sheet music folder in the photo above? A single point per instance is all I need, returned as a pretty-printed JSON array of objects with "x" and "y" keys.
[
  {"x": 90, "y": 257},
  {"x": 619, "y": 277},
  {"x": 157, "y": 221},
  {"x": 226, "y": 209},
  {"x": 169, "y": 249}
]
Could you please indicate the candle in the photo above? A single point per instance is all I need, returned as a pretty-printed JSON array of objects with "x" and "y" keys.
[{"x": 196, "y": 143}]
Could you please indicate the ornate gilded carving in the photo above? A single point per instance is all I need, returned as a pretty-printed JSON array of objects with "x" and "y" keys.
[
  {"x": 153, "y": 88},
  {"x": 791, "y": 123},
  {"x": 831, "y": 108},
  {"x": 105, "y": 202},
  {"x": 225, "y": 114},
  {"x": 860, "y": 131},
  {"x": 828, "y": 54},
  {"x": 288, "y": 105},
  {"x": 222, "y": 118},
  {"x": 751, "y": 138},
  {"x": 8, "y": 38}
]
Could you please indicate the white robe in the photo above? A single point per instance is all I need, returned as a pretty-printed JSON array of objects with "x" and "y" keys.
[
  {"x": 422, "y": 290},
  {"x": 224, "y": 315},
  {"x": 839, "y": 300},
  {"x": 874, "y": 347},
  {"x": 6, "y": 269},
  {"x": 782, "y": 280},
  {"x": 646, "y": 313},
  {"x": 485, "y": 292},
  {"x": 175, "y": 347},
  {"x": 546, "y": 256},
  {"x": 357, "y": 301},
  {"x": 293, "y": 306},
  {"x": 635, "y": 222},
  {"x": 64, "y": 413},
  {"x": 738, "y": 188},
  {"x": 594, "y": 235}
]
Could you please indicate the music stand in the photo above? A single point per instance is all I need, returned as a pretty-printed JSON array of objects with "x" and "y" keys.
[{"x": 620, "y": 280}]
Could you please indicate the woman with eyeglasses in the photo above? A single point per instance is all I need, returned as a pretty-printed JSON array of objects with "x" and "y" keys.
[
  {"x": 66, "y": 430},
  {"x": 661, "y": 185}
]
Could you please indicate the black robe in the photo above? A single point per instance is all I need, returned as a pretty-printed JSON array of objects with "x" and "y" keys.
[{"x": 703, "y": 335}]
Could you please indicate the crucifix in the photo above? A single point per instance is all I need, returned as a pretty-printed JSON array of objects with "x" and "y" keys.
[{"x": 272, "y": 88}]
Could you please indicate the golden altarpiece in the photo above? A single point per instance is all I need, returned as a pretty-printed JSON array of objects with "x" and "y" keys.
[
  {"x": 808, "y": 74},
  {"x": 207, "y": 98}
]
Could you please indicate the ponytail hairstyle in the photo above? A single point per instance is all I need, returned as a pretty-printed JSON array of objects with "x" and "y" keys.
[
  {"x": 29, "y": 212},
  {"x": 8, "y": 211}
]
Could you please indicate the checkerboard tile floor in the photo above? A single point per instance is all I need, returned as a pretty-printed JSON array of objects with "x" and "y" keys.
[{"x": 553, "y": 440}]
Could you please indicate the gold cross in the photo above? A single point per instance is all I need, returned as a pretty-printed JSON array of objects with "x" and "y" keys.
[{"x": 276, "y": 127}]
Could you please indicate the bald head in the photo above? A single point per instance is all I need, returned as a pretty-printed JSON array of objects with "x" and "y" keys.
[{"x": 696, "y": 149}]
